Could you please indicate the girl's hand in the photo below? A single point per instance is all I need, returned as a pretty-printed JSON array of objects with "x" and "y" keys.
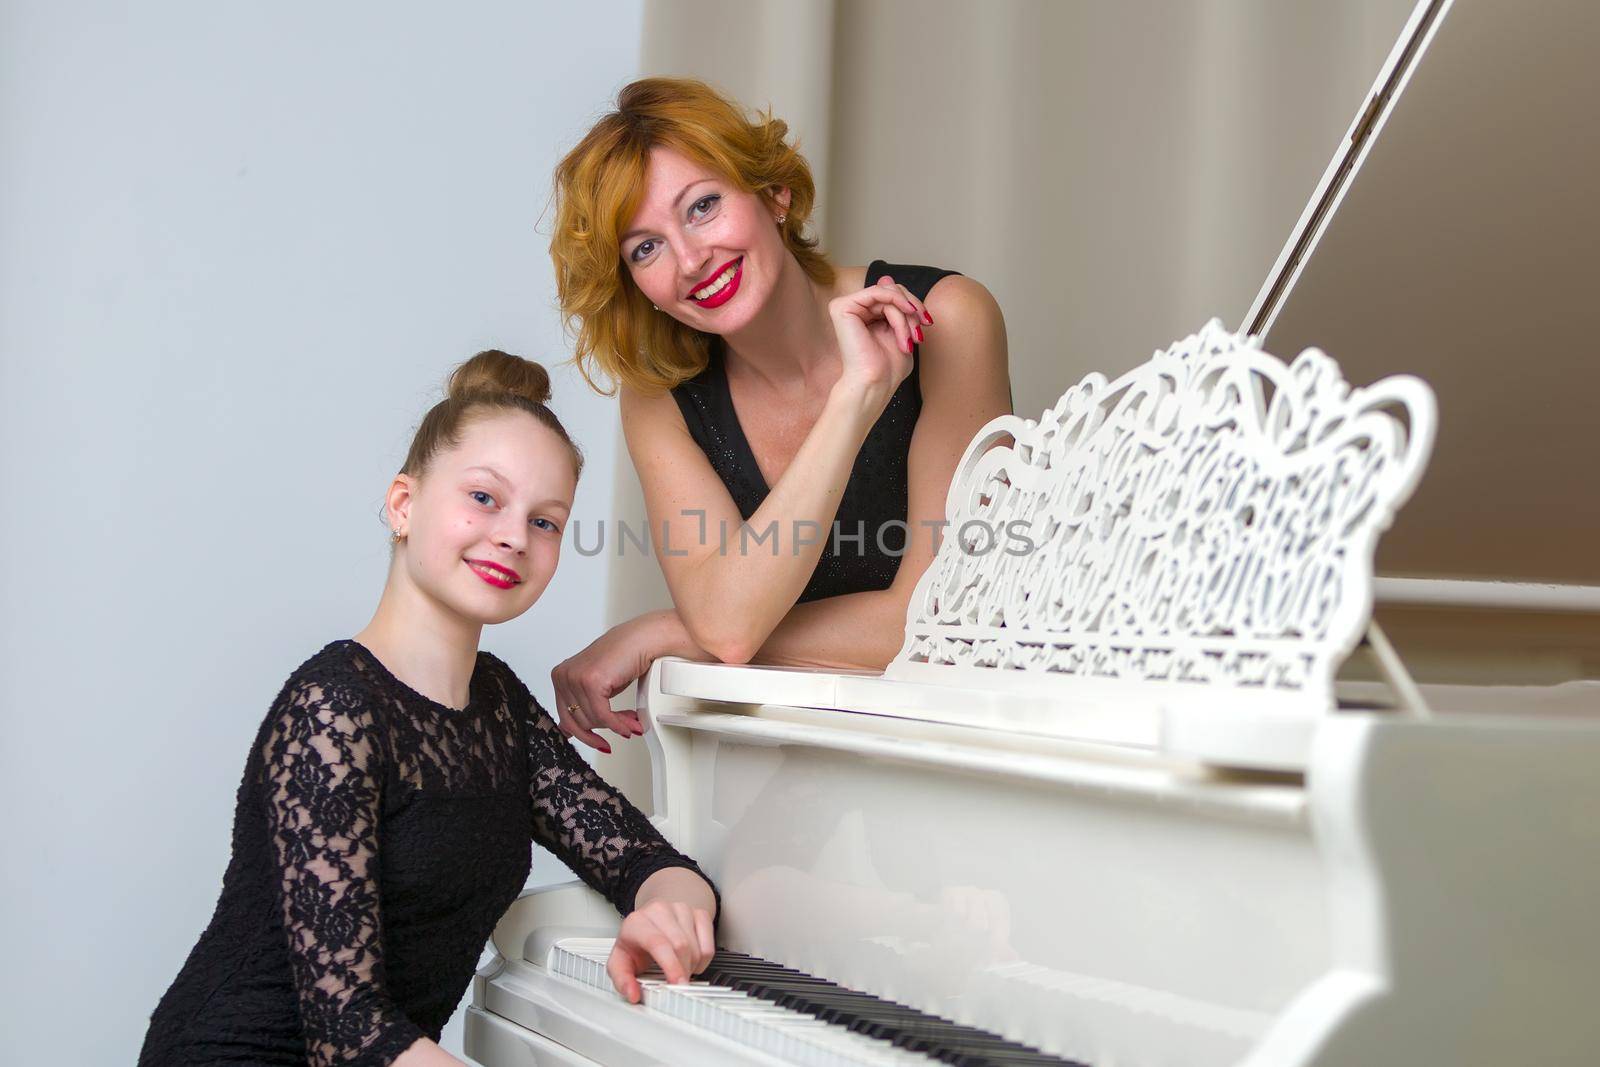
[
  {"x": 667, "y": 934},
  {"x": 585, "y": 683},
  {"x": 876, "y": 329}
]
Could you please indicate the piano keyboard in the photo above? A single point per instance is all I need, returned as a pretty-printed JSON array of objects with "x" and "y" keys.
[{"x": 798, "y": 1018}]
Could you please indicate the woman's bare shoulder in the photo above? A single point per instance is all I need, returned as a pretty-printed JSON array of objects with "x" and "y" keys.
[
  {"x": 963, "y": 302},
  {"x": 644, "y": 404},
  {"x": 650, "y": 416},
  {"x": 962, "y": 296},
  {"x": 965, "y": 353}
]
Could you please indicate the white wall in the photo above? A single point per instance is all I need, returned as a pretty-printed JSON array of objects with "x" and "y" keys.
[{"x": 242, "y": 244}]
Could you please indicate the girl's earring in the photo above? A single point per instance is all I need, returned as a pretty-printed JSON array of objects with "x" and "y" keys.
[
  {"x": 652, "y": 305},
  {"x": 782, "y": 218}
]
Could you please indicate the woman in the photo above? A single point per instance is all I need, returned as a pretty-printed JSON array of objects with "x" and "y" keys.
[
  {"x": 822, "y": 408},
  {"x": 383, "y": 822}
]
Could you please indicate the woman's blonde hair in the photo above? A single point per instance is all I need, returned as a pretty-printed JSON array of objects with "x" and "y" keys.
[
  {"x": 598, "y": 187},
  {"x": 488, "y": 382}
]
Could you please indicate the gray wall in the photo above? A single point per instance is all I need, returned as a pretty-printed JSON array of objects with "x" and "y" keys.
[{"x": 242, "y": 244}]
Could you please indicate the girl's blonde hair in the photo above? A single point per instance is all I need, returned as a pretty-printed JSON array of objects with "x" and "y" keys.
[{"x": 598, "y": 187}]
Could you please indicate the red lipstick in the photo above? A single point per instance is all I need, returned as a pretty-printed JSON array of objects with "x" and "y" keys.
[
  {"x": 725, "y": 294},
  {"x": 493, "y": 573}
]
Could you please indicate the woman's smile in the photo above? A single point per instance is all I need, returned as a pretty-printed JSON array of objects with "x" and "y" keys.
[{"x": 720, "y": 287}]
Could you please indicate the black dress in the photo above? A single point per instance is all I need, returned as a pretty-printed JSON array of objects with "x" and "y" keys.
[
  {"x": 378, "y": 837},
  {"x": 862, "y": 551}
]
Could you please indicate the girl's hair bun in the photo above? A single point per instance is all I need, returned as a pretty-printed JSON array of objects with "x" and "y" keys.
[
  {"x": 495, "y": 373},
  {"x": 487, "y": 382}
]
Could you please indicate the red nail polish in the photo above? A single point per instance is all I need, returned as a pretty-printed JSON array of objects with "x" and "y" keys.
[
  {"x": 605, "y": 748},
  {"x": 919, "y": 334},
  {"x": 927, "y": 317}
]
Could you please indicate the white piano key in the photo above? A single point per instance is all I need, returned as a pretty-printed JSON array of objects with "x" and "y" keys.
[{"x": 789, "y": 1036}]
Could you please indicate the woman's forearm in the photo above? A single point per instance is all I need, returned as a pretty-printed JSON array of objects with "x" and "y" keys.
[
  {"x": 734, "y": 597},
  {"x": 670, "y": 637},
  {"x": 853, "y": 631}
]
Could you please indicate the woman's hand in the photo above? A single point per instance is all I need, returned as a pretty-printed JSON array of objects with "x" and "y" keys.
[
  {"x": 668, "y": 934},
  {"x": 585, "y": 683},
  {"x": 876, "y": 329}
]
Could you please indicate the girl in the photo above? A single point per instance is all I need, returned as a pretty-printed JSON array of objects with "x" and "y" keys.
[
  {"x": 794, "y": 425},
  {"x": 383, "y": 822}
]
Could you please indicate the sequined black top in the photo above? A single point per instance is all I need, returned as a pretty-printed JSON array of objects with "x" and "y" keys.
[
  {"x": 378, "y": 837},
  {"x": 862, "y": 550}
]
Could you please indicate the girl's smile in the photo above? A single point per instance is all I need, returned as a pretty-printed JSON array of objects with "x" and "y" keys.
[{"x": 496, "y": 575}]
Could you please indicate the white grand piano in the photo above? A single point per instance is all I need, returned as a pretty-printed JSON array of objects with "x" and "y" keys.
[{"x": 1158, "y": 789}]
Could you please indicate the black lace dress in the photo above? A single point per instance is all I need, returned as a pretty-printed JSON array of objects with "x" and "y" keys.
[{"x": 378, "y": 837}]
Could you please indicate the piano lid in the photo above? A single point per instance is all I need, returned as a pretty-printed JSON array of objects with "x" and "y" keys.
[{"x": 1456, "y": 236}]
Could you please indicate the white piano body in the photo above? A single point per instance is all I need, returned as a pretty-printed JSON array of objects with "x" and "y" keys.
[{"x": 1114, "y": 799}]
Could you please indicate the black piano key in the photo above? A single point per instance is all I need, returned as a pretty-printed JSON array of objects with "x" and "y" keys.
[
  {"x": 905, "y": 1027},
  {"x": 828, "y": 999},
  {"x": 846, "y": 1008}
]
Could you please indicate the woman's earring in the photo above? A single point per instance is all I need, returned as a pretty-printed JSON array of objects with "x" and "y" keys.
[
  {"x": 652, "y": 305},
  {"x": 782, "y": 217}
]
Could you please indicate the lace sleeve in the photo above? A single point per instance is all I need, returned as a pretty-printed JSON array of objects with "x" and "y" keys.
[
  {"x": 590, "y": 826},
  {"x": 323, "y": 773}
]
